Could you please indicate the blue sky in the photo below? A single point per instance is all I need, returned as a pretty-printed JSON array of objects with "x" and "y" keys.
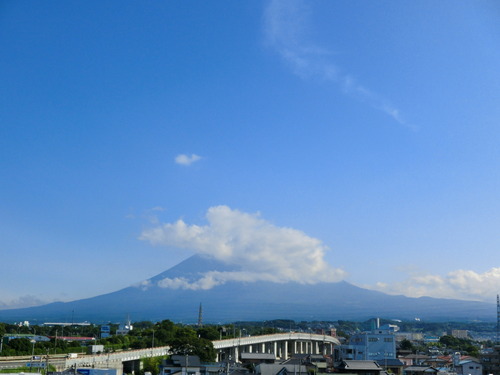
[{"x": 305, "y": 141}]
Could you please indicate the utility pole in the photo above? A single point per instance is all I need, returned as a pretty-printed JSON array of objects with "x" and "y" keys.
[
  {"x": 32, "y": 354},
  {"x": 47, "y": 362}
]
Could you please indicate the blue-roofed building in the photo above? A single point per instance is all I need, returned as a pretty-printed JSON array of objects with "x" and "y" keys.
[{"x": 38, "y": 338}]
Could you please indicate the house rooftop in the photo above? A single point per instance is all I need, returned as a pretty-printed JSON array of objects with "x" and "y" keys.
[
  {"x": 359, "y": 365},
  {"x": 390, "y": 362},
  {"x": 266, "y": 356},
  {"x": 184, "y": 361}
]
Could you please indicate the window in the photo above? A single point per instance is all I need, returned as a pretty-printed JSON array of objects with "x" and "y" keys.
[
  {"x": 372, "y": 339},
  {"x": 388, "y": 339}
]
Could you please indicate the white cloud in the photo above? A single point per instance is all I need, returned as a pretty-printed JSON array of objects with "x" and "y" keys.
[
  {"x": 261, "y": 250},
  {"x": 286, "y": 25},
  {"x": 23, "y": 301},
  {"x": 459, "y": 284},
  {"x": 186, "y": 160}
]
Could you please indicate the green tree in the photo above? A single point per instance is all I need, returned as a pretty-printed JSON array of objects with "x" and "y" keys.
[
  {"x": 208, "y": 332},
  {"x": 203, "y": 348},
  {"x": 21, "y": 346},
  {"x": 406, "y": 345},
  {"x": 151, "y": 365}
]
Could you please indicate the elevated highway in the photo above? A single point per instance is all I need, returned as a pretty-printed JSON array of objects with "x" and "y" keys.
[
  {"x": 116, "y": 359},
  {"x": 282, "y": 345},
  {"x": 128, "y": 359}
]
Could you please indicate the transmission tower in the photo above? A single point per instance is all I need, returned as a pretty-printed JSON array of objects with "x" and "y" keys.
[
  {"x": 200, "y": 316},
  {"x": 498, "y": 320}
]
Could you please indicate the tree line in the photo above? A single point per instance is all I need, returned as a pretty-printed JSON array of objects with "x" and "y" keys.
[{"x": 182, "y": 339}]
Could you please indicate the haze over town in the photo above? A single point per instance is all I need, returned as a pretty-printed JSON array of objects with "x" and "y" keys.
[{"x": 305, "y": 141}]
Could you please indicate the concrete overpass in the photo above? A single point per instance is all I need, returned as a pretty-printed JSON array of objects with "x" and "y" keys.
[
  {"x": 129, "y": 359},
  {"x": 124, "y": 361},
  {"x": 282, "y": 345}
]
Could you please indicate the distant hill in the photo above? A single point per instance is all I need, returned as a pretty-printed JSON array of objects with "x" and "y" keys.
[{"x": 239, "y": 301}]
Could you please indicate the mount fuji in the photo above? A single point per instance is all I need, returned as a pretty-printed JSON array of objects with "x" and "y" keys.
[{"x": 240, "y": 301}]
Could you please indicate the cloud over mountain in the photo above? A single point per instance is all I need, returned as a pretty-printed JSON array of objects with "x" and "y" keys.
[{"x": 260, "y": 250}]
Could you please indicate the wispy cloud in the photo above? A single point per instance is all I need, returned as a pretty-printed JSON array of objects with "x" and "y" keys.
[
  {"x": 157, "y": 208},
  {"x": 286, "y": 27},
  {"x": 187, "y": 160},
  {"x": 261, "y": 250},
  {"x": 460, "y": 284}
]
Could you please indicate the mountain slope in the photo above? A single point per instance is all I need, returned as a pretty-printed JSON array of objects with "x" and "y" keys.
[{"x": 248, "y": 301}]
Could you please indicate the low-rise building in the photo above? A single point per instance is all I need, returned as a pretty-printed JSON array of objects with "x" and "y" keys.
[
  {"x": 191, "y": 365},
  {"x": 181, "y": 365},
  {"x": 392, "y": 366},
  {"x": 359, "y": 367},
  {"x": 280, "y": 369},
  {"x": 469, "y": 367},
  {"x": 421, "y": 370},
  {"x": 414, "y": 359},
  {"x": 257, "y": 358},
  {"x": 490, "y": 359},
  {"x": 378, "y": 344},
  {"x": 460, "y": 333}
]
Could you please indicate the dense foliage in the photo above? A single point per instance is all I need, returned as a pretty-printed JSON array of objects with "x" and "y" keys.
[{"x": 181, "y": 339}]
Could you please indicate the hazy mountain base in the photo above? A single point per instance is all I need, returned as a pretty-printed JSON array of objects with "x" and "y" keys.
[{"x": 235, "y": 301}]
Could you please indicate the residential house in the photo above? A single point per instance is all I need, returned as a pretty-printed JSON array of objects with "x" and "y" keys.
[
  {"x": 392, "y": 365},
  {"x": 469, "y": 367},
  {"x": 280, "y": 369}
]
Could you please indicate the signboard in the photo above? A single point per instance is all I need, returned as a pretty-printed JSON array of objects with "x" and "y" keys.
[
  {"x": 36, "y": 364},
  {"x": 105, "y": 331}
]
